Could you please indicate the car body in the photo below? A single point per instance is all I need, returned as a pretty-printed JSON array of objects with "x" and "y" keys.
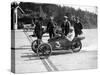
[{"x": 57, "y": 43}]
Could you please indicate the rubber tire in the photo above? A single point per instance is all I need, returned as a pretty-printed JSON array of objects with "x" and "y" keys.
[
  {"x": 73, "y": 49},
  {"x": 33, "y": 49},
  {"x": 45, "y": 44}
]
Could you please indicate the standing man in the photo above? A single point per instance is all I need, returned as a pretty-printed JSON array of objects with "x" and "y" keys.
[
  {"x": 38, "y": 28},
  {"x": 50, "y": 27},
  {"x": 65, "y": 25},
  {"x": 73, "y": 20},
  {"x": 78, "y": 27}
]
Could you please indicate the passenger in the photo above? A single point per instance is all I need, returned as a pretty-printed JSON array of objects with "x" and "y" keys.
[{"x": 71, "y": 34}]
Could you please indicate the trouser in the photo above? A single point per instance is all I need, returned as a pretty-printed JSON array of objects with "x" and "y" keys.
[
  {"x": 51, "y": 34},
  {"x": 39, "y": 35},
  {"x": 63, "y": 30},
  {"x": 66, "y": 32},
  {"x": 79, "y": 32}
]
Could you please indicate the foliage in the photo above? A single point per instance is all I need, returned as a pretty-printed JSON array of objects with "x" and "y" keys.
[{"x": 88, "y": 19}]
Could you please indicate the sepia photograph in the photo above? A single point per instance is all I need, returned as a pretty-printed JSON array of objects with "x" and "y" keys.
[{"x": 47, "y": 37}]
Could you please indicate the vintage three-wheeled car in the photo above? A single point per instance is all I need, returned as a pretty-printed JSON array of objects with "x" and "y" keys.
[{"x": 59, "y": 43}]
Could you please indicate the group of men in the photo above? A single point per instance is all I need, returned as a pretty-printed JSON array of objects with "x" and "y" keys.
[{"x": 67, "y": 26}]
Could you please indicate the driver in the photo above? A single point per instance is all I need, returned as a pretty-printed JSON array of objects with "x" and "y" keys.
[{"x": 71, "y": 34}]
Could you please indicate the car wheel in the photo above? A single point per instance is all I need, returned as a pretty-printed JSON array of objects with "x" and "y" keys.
[
  {"x": 44, "y": 50},
  {"x": 76, "y": 46},
  {"x": 35, "y": 45}
]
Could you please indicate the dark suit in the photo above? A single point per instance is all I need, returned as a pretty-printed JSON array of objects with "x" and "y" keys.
[
  {"x": 38, "y": 30},
  {"x": 50, "y": 28},
  {"x": 65, "y": 27},
  {"x": 78, "y": 29}
]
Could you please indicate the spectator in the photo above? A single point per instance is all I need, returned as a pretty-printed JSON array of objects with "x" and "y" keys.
[
  {"x": 50, "y": 27},
  {"x": 78, "y": 27},
  {"x": 65, "y": 25},
  {"x": 38, "y": 28}
]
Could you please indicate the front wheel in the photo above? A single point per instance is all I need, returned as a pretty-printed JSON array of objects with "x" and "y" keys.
[
  {"x": 44, "y": 50},
  {"x": 76, "y": 46},
  {"x": 35, "y": 45}
]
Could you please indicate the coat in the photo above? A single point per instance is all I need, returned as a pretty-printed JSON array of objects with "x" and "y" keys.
[
  {"x": 78, "y": 28},
  {"x": 50, "y": 26},
  {"x": 65, "y": 26}
]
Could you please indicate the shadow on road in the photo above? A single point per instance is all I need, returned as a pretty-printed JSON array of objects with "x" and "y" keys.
[{"x": 33, "y": 56}]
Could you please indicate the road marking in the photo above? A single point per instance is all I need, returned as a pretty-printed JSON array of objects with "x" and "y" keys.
[
  {"x": 52, "y": 65},
  {"x": 28, "y": 37},
  {"x": 47, "y": 62},
  {"x": 47, "y": 66}
]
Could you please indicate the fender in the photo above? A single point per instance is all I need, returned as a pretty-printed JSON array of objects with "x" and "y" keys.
[{"x": 78, "y": 38}]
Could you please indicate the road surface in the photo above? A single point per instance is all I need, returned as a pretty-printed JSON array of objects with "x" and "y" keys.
[{"x": 27, "y": 61}]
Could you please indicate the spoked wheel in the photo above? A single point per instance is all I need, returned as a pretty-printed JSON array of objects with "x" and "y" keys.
[
  {"x": 35, "y": 45},
  {"x": 76, "y": 46},
  {"x": 44, "y": 50}
]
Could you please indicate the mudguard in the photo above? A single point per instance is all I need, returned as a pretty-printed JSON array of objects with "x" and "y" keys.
[{"x": 78, "y": 38}]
